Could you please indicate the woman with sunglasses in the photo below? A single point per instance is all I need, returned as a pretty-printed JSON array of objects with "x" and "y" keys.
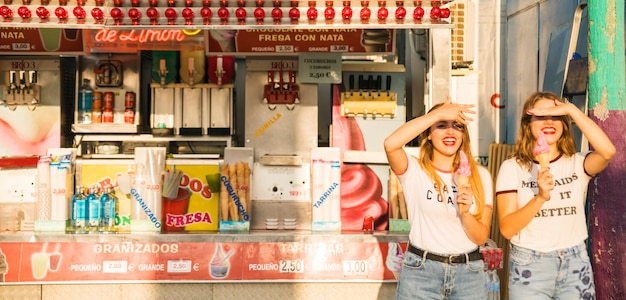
[
  {"x": 448, "y": 222},
  {"x": 542, "y": 210}
]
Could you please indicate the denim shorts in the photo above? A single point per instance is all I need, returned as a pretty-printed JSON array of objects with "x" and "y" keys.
[
  {"x": 428, "y": 279},
  {"x": 562, "y": 274}
]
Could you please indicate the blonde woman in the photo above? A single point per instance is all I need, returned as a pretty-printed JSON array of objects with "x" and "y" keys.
[
  {"x": 542, "y": 210},
  {"x": 448, "y": 222}
]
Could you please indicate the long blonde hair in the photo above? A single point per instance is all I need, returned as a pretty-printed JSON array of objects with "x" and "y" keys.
[
  {"x": 525, "y": 144},
  {"x": 426, "y": 162}
]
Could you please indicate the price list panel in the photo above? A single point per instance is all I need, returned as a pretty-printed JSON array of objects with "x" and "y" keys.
[{"x": 197, "y": 261}]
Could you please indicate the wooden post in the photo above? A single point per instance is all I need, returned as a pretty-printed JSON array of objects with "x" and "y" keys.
[{"x": 607, "y": 100}]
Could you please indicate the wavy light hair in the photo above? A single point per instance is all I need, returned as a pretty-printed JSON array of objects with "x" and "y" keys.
[
  {"x": 426, "y": 161},
  {"x": 525, "y": 143}
]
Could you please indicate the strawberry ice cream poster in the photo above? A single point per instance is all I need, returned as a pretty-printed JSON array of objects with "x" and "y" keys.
[{"x": 364, "y": 184}]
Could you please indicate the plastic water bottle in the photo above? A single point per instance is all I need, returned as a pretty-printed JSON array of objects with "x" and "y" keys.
[
  {"x": 496, "y": 285},
  {"x": 493, "y": 285},
  {"x": 108, "y": 203},
  {"x": 79, "y": 211},
  {"x": 85, "y": 100}
]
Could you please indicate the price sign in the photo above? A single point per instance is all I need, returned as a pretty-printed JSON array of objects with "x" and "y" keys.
[
  {"x": 319, "y": 67},
  {"x": 179, "y": 266},
  {"x": 355, "y": 267},
  {"x": 291, "y": 266},
  {"x": 114, "y": 266}
]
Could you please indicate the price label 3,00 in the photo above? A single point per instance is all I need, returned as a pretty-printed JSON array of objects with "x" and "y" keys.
[{"x": 355, "y": 267}]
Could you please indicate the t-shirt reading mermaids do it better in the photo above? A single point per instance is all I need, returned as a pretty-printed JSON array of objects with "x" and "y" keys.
[
  {"x": 560, "y": 223},
  {"x": 434, "y": 220}
]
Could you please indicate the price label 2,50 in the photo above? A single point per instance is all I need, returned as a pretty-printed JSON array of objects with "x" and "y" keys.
[{"x": 291, "y": 266}]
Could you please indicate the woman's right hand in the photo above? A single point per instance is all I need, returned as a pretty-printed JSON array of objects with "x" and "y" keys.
[
  {"x": 545, "y": 182},
  {"x": 454, "y": 111}
]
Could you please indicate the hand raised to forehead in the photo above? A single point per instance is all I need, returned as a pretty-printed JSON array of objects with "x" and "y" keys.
[{"x": 455, "y": 111}]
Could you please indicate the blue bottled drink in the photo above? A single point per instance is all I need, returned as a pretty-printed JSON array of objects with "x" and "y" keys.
[
  {"x": 85, "y": 99},
  {"x": 93, "y": 210},
  {"x": 108, "y": 203},
  {"x": 79, "y": 211}
]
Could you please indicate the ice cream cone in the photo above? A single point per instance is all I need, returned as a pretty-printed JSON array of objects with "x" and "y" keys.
[
  {"x": 463, "y": 172},
  {"x": 462, "y": 180},
  {"x": 544, "y": 160}
]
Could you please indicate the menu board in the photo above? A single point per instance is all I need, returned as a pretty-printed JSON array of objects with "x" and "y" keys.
[
  {"x": 41, "y": 40},
  {"x": 294, "y": 41},
  {"x": 71, "y": 262}
]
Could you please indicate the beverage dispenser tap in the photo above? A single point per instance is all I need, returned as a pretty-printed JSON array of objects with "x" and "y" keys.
[
  {"x": 13, "y": 89},
  {"x": 9, "y": 94},
  {"x": 191, "y": 70},
  {"x": 33, "y": 91},
  {"x": 219, "y": 72},
  {"x": 23, "y": 87},
  {"x": 162, "y": 71}
]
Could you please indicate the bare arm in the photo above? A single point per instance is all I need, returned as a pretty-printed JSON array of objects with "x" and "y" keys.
[
  {"x": 604, "y": 150},
  {"x": 512, "y": 219},
  {"x": 477, "y": 230}
]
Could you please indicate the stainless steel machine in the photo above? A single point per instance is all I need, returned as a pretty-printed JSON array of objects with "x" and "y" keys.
[{"x": 281, "y": 125}]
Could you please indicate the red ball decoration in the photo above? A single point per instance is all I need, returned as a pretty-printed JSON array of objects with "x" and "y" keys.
[
  {"x": 240, "y": 13},
  {"x": 223, "y": 13},
  {"x": 24, "y": 12},
  {"x": 383, "y": 13},
  {"x": 170, "y": 14},
  {"x": 435, "y": 13},
  {"x": 188, "y": 15},
  {"x": 400, "y": 13},
  {"x": 43, "y": 13},
  {"x": 346, "y": 13},
  {"x": 6, "y": 12},
  {"x": 329, "y": 13},
  {"x": 445, "y": 13},
  {"x": 311, "y": 13},
  {"x": 61, "y": 13},
  {"x": 259, "y": 14},
  {"x": 152, "y": 13},
  {"x": 79, "y": 12},
  {"x": 96, "y": 13},
  {"x": 206, "y": 13},
  {"x": 277, "y": 13},
  {"x": 365, "y": 13},
  {"x": 294, "y": 14},
  {"x": 418, "y": 13}
]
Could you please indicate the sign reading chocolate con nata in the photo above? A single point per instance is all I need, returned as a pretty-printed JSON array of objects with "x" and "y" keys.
[
  {"x": 21, "y": 41},
  {"x": 293, "y": 41}
]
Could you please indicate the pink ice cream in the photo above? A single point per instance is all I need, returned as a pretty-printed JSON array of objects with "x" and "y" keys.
[
  {"x": 464, "y": 167},
  {"x": 542, "y": 145},
  {"x": 541, "y": 151}
]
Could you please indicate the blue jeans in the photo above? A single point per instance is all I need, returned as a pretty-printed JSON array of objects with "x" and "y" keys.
[
  {"x": 562, "y": 274},
  {"x": 427, "y": 279}
]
